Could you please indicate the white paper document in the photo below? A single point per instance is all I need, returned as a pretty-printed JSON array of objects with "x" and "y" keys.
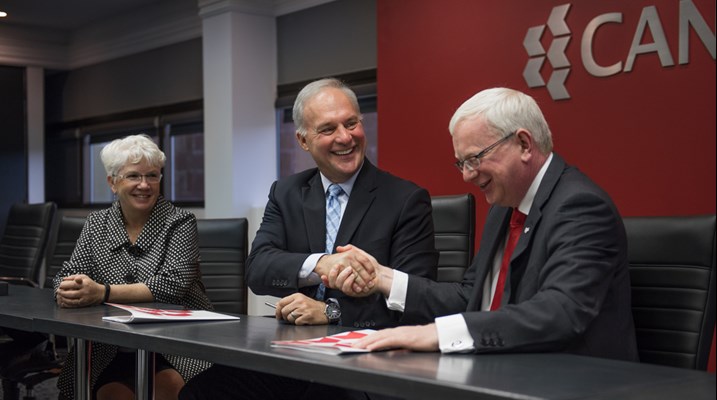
[
  {"x": 144, "y": 314},
  {"x": 335, "y": 344}
]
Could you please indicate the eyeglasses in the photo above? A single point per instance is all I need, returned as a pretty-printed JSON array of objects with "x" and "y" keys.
[
  {"x": 473, "y": 162},
  {"x": 137, "y": 178}
]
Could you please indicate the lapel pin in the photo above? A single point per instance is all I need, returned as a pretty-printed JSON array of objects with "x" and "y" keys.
[{"x": 527, "y": 228}]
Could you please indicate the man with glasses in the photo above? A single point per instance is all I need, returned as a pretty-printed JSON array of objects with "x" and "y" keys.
[{"x": 551, "y": 273}]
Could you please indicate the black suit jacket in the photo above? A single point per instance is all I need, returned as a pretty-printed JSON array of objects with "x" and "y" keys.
[
  {"x": 568, "y": 288},
  {"x": 388, "y": 217}
]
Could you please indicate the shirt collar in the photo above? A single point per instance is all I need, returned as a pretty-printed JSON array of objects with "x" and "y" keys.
[
  {"x": 117, "y": 236},
  {"x": 527, "y": 201},
  {"x": 118, "y": 233},
  {"x": 346, "y": 186}
]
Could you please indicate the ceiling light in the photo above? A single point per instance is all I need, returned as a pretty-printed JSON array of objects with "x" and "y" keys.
[{"x": 3, "y": 14}]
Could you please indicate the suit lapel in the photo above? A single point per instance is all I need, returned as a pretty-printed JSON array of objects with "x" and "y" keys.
[
  {"x": 516, "y": 270},
  {"x": 362, "y": 196},
  {"x": 498, "y": 221},
  {"x": 313, "y": 200},
  {"x": 550, "y": 179},
  {"x": 494, "y": 230}
]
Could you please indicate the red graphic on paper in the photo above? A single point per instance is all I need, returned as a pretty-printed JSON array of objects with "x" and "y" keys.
[
  {"x": 160, "y": 312},
  {"x": 353, "y": 335},
  {"x": 340, "y": 343},
  {"x": 341, "y": 339}
]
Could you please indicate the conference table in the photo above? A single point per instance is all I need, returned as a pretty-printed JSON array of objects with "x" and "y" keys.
[{"x": 246, "y": 343}]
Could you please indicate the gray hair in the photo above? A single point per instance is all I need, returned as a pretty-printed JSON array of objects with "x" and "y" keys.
[
  {"x": 506, "y": 110},
  {"x": 131, "y": 149},
  {"x": 311, "y": 90}
]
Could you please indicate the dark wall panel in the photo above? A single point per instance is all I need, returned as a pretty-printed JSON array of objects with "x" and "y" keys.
[{"x": 13, "y": 155}]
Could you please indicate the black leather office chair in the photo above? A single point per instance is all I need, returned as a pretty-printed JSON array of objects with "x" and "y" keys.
[
  {"x": 23, "y": 244},
  {"x": 672, "y": 269},
  {"x": 223, "y": 245},
  {"x": 68, "y": 231},
  {"x": 454, "y": 224},
  {"x": 25, "y": 360}
]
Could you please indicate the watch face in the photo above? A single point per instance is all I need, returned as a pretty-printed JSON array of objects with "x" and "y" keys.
[{"x": 333, "y": 311}]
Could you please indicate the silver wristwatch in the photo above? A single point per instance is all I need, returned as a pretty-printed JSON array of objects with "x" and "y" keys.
[{"x": 332, "y": 310}]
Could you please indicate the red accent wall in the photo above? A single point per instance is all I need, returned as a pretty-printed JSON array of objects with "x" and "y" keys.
[{"x": 646, "y": 136}]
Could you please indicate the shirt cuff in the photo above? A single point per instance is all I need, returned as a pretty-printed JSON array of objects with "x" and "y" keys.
[
  {"x": 453, "y": 335},
  {"x": 307, "y": 276},
  {"x": 396, "y": 300}
]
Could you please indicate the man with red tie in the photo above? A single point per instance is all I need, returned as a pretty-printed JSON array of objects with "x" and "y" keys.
[{"x": 551, "y": 273}]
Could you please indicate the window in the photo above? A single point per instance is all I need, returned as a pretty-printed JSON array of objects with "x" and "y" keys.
[
  {"x": 184, "y": 170},
  {"x": 78, "y": 178},
  {"x": 99, "y": 191}
]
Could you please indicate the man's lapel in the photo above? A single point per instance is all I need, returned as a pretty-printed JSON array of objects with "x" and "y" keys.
[
  {"x": 313, "y": 199},
  {"x": 362, "y": 196}
]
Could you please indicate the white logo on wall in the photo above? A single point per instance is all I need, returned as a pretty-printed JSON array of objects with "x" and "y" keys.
[{"x": 689, "y": 17}]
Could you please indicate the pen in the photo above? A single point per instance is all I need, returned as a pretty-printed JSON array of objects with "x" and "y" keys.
[{"x": 270, "y": 304}]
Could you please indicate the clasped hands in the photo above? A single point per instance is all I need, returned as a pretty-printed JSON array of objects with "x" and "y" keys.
[
  {"x": 353, "y": 271},
  {"x": 357, "y": 273},
  {"x": 350, "y": 270},
  {"x": 79, "y": 291}
]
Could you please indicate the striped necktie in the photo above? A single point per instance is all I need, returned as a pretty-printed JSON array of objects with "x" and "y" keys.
[{"x": 333, "y": 220}]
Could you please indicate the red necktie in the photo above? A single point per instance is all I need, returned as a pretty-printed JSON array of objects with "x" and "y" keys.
[{"x": 517, "y": 220}]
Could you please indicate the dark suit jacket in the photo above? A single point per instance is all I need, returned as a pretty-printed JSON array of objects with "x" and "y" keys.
[
  {"x": 388, "y": 217},
  {"x": 569, "y": 288}
]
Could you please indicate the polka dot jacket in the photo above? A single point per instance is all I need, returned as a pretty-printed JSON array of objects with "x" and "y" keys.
[{"x": 165, "y": 258}]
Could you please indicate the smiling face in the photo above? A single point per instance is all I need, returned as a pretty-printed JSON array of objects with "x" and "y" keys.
[
  {"x": 335, "y": 136},
  {"x": 502, "y": 175},
  {"x": 136, "y": 197}
]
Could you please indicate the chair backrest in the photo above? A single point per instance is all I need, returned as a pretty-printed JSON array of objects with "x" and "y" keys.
[
  {"x": 223, "y": 245},
  {"x": 672, "y": 272},
  {"x": 454, "y": 224},
  {"x": 23, "y": 244},
  {"x": 68, "y": 231}
]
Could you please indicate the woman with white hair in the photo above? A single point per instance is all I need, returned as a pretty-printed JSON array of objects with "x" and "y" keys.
[{"x": 140, "y": 249}]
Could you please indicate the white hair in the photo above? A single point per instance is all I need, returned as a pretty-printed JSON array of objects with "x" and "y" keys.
[
  {"x": 505, "y": 111},
  {"x": 131, "y": 149}
]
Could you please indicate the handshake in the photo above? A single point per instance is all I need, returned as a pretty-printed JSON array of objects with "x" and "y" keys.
[{"x": 354, "y": 272}]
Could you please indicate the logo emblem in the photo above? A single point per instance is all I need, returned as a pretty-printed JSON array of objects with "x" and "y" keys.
[{"x": 556, "y": 54}]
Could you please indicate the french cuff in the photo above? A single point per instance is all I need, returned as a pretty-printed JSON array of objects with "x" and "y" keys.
[
  {"x": 396, "y": 300},
  {"x": 307, "y": 276},
  {"x": 453, "y": 335}
]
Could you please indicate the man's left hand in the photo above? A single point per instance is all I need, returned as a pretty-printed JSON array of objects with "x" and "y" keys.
[
  {"x": 300, "y": 309},
  {"x": 417, "y": 338}
]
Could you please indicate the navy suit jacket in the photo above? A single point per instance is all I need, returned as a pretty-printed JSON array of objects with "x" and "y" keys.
[
  {"x": 388, "y": 217},
  {"x": 568, "y": 288}
]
